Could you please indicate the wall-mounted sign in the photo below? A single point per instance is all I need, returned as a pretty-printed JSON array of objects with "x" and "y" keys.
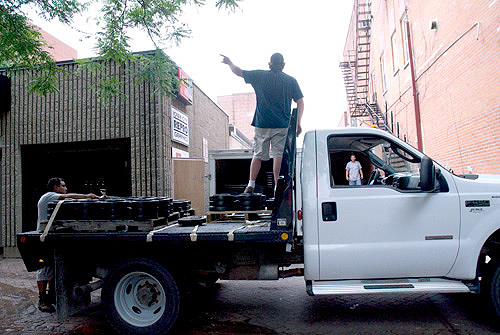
[
  {"x": 178, "y": 153},
  {"x": 180, "y": 127},
  {"x": 185, "y": 86}
]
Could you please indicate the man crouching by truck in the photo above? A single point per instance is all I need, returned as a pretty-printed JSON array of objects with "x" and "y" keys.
[
  {"x": 45, "y": 276},
  {"x": 275, "y": 91}
]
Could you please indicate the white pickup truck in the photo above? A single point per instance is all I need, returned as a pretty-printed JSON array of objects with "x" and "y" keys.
[{"x": 412, "y": 227}]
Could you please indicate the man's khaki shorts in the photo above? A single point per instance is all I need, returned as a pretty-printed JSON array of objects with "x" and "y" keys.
[{"x": 264, "y": 137}]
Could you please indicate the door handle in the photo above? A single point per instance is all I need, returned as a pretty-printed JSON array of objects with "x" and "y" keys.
[{"x": 329, "y": 210}]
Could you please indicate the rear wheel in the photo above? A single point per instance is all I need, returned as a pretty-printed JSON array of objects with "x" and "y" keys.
[{"x": 141, "y": 297}]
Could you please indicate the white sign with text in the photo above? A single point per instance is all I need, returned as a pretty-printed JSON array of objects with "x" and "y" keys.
[{"x": 180, "y": 127}]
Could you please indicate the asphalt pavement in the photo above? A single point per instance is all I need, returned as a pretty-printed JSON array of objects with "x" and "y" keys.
[{"x": 260, "y": 307}]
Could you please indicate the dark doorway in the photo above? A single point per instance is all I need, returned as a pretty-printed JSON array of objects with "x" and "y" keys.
[
  {"x": 232, "y": 176},
  {"x": 5, "y": 93},
  {"x": 87, "y": 167}
]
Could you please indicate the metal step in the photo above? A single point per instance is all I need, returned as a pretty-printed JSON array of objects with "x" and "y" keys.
[{"x": 436, "y": 285}]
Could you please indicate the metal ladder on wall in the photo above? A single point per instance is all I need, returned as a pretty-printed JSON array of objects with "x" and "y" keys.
[{"x": 356, "y": 71}]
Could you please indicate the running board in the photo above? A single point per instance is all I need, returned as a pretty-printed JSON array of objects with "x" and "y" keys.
[{"x": 340, "y": 287}]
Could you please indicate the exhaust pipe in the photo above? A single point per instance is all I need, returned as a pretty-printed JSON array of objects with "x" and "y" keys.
[{"x": 80, "y": 291}]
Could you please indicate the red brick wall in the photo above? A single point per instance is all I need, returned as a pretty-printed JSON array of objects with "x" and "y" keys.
[
  {"x": 458, "y": 88},
  {"x": 241, "y": 108},
  {"x": 59, "y": 50}
]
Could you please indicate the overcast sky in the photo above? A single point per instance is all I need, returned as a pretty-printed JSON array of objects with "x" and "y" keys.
[{"x": 310, "y": 34}]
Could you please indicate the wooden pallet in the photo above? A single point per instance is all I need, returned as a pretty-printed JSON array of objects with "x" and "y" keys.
[{"x": 221, "y": 216}]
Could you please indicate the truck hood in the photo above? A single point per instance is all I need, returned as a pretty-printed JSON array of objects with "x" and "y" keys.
[
  {"x": 482, "y": 178},
  {"x": 478, "y": 184},
  {"x": 489, "y": 178}
]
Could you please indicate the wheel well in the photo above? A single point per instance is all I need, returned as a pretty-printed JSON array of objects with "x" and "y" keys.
[{"x": 490, "y": 254}]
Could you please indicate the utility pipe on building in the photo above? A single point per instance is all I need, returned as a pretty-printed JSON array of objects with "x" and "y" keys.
[{"x": 416, "y": 103}]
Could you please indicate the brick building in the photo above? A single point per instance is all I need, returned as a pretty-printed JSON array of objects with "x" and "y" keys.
[
  {"x": 240, "y": 107},
  {"x": 125, "y": 147},
  {"x": 455, "y": 50},
  {"x": 58, "y": 49}
]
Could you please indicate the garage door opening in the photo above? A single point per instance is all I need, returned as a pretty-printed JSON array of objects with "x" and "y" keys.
[{"x": 87, "y": 167}]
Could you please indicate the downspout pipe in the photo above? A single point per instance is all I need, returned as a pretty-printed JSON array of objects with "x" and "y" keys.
[{"x": 416, "y": 104}]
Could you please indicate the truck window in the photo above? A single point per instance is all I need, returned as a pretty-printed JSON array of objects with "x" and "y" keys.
[{"x": 381, "y": 161}]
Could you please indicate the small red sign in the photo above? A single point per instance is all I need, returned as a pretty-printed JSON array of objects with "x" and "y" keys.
[{"x": 185, "y": 86}]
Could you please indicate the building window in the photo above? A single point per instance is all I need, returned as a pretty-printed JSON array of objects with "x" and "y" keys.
[
  {"x": 373, "y": 87},
  {"x": 382, "y": 71},
  {"x": 392, "y": 121},
  {"x": 394, "y": 52},
  {"x": 404, "y": 32}
]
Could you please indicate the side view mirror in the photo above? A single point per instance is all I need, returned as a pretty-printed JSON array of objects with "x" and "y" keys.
[{"x": 427, "y": 174}]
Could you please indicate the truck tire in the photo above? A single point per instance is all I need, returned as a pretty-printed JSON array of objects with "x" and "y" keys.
[
  {"x": 494, "y": 290},
  {"x": 141, "y": 297}
]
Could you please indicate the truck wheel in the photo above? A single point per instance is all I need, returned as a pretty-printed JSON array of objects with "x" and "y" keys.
[
  {"x": 141, "y": 297},
  {"x": 495, "y": 290}
]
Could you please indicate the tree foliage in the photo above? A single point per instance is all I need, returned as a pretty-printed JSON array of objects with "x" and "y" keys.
[{"x": 21, "y": 45}]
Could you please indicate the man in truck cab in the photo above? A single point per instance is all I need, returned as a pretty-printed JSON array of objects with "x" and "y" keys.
[
  {"x": 275, "y": 91},
  {"x": 353, "y": 171},
  {"x": 57, "y": 190}
]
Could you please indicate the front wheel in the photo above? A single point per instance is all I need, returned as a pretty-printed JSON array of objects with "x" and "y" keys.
[
  {"x": 141, "y": 297},
  {"x": 494, "y": 290}
]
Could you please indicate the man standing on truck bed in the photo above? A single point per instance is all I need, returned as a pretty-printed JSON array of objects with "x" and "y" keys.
[
  {"x": 275, "y": 91},
  {"x": 56, "y": 191}
]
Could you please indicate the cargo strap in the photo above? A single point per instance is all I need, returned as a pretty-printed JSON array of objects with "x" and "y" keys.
[
  {"x": 193, "y": 235},
  {"x": 149, "y": 236},
  {"x": 51, "y": 220},
  {"x": 230, "y": 235}
]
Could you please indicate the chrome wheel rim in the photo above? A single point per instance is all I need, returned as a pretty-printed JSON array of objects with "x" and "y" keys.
[{"x": 140, "y": 299}]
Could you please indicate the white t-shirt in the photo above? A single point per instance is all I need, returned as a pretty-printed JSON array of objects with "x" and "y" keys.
[
  {"x": 353, "y": 168},
  {"x": 43, "y": 205}
]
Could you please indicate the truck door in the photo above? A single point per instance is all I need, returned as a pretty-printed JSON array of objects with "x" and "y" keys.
[{"x": 388, "y": 229}]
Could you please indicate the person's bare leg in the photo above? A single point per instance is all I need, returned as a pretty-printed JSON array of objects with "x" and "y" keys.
[
  {"x": 254, "y": 172},
  {"x": 255, "y": 168},
  {"x": 276, "y": 168}
]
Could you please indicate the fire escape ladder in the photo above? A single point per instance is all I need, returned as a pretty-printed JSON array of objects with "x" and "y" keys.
[
  {"x": 377, "y": 117},
  {"x": 356, "y": 70},
  {"x": 362, "y": 54},
  {"x": 348, "y": 74}
]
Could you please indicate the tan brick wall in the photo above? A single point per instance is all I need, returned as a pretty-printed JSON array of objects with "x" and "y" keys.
[
  {"x": 74, "y": 114},
  {"x": 457, "y": 69}
]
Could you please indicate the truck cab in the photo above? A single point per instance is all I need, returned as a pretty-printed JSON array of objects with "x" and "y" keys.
[{"x": 411, "y": 226}]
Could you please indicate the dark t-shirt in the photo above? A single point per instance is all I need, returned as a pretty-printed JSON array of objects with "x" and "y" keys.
[{"x": 274, "y": 91}]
